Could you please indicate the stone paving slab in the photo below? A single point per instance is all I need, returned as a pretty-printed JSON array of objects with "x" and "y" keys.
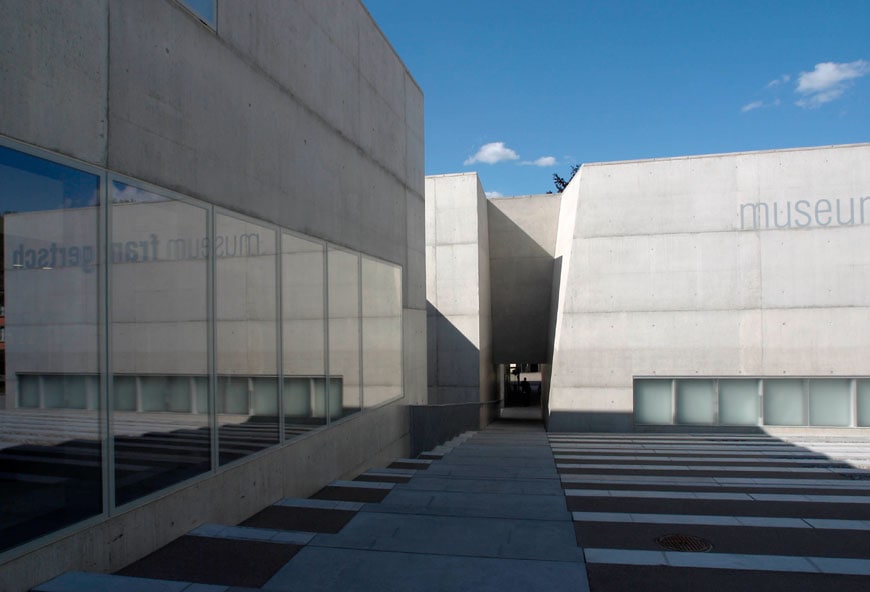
[
  {"x": 333, "y": 570},
  {"x": 501, "y": 505},
  {"x": 489, "y": 472},
  {"x": 457, "y": 535},
  {"x": 519, "y": 486}
]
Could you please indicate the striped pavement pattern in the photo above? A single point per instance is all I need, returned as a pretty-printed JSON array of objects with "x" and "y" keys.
[{"x": 779, "y": 515}]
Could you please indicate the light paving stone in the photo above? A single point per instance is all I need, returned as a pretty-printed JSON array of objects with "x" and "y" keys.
[
  {"x": 320, "y": 504},
  {"x": 339, "y": 570},
  {"x": 451, "y": 535},
  {"x": 82, "y": 582},
  {"x": 503, "y": 505}
]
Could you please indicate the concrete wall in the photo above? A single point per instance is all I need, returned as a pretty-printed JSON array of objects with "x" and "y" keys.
[
  {"x": 661, "y": 276},
  {"x": 457, "y": 275},
  {"x": 299, "y": 113},
  {"x": 522, "y": 243}
]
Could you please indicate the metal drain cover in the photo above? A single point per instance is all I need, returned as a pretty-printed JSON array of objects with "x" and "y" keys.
[{"x": 684, "y": 542}]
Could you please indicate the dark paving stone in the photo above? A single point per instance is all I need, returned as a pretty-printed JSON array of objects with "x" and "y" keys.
[
  {"x": 720, "y": 507},
  {"x": 203, "y": 560},
  {"x": 383, "y": 478},
  {"x": 610, "y": 578},
  {"x": 302, "y": 519},
  {"x": 409, "y": 465},
  {"x": 351, "y": 494},
  {"x": 806, "y": 542}
]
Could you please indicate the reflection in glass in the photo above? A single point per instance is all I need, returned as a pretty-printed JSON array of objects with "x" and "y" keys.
[
  {"x": 784, "y": 402},
  {"x": 246, "y": 328},
  {"x": 159, "y": 338},
  {"x": 830, "y": 402},
  {"x": 50, "y": 445},
  {"x": 653, "y": 401},
  {"x": 344, "y": 333},
  {"x": 382, "y": 331},
  {"x": 304, "y": 335},
  {"x": 696, "y": 402},
  {"x": 738, "y": 401}
]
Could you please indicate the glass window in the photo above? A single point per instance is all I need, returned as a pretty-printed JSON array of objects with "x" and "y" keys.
[
  {"x": 784, "y": 402},
  {"x": 304, "y": 334},
  {"x": 653, "y": 401},
  {"x": 830, "y": 402},
  {"x": 246, "y": 328},
  {"x": 863, "y": 419},
  {"x": 344, "y": 333},
  {"x": 738, "y": 401},
  {"x": 50, "y": 443},
  {"x": 159, "y": 337},
  {"x": 696, "y": 402},
  {"x": 382, "y": 331}
]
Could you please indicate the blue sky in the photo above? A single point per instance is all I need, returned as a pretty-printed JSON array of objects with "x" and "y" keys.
[{"x": 519, "y": 89}]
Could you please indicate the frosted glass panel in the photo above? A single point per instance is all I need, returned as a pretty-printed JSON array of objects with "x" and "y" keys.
[
  {"x": 696, "y": 402},
  {"x": 864, "y": 403},
  {"x": 784, "y": 402},
  {"x": 738, "y": 402},
  {"x": 653, "y": 402},
  {"x": 830, "y": 402}
]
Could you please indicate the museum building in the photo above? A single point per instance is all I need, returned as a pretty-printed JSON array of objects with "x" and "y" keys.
[{"x": 222, "y": 285}]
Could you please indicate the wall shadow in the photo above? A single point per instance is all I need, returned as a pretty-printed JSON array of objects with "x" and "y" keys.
[{"x": 521, "y": 280}]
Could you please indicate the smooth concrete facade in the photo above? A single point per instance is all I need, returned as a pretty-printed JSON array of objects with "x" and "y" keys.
[
  {"x": 715, "y": 268},
  {"x": 666, "y": 272},
  {"x": 298, "y": 113},
  {"x": 458, "y": 291}
]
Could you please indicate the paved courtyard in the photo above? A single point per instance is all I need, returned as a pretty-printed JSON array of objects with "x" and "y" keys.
[{"x": 513, "y": 508}]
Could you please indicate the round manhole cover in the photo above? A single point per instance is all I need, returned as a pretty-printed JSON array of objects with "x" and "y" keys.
[{"x": 684, "y": 542}]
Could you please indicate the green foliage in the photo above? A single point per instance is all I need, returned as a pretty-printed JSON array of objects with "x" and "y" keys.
[{"x": 560, "y": 182}]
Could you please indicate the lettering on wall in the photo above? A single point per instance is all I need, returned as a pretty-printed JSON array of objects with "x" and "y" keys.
[
  {"x": 804, "y": 213},
  {"x": 54, "y": 255}
]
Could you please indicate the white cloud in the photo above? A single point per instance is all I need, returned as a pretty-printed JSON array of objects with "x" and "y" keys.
[
  {"x": 751, "y": 106},
  {"x": 777, "y": 81},
  {"x": 493, "y": 194},
  {"x": 544, "y": 161},
  {"x": 492, "y": 153},
  {"x": 828, "y": 81}
]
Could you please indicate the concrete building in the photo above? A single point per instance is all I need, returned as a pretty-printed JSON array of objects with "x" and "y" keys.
[
  {"x": 221, "y": 285},
  {"x": 721, "y": 291},
  {"x": 214, "y": 268}
]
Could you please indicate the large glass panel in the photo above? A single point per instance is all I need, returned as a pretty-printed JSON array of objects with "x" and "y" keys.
[
  {"x": 738, "y": 401},
  {"x": 830, "y": 402},
  {"x": 863, "y": 403},
  {"x": 246, "y": 327},
  {"x": 159, "y": 338},
  {"x": 784, "y": 402},
  {"x": 50, "y": 444},
  {"x": 344, "y": 333},
  {"x": 653, "y": 401},
  {"x": 382, "y": 331},
  {"x": 696, "y": 402},
  {"x": 304, "y": 334}
]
